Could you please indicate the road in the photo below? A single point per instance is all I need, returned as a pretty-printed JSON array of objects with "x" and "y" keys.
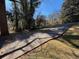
[{"x": 35, "y": 39}]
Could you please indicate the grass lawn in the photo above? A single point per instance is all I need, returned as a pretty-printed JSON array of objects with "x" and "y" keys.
[{"x": 65, "y": 47}]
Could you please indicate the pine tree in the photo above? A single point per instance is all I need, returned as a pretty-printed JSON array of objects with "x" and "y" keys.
[{"x": 70, "y": 11}]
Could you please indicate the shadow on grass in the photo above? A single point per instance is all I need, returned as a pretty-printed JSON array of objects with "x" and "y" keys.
[{"x": 72, "y": 39}]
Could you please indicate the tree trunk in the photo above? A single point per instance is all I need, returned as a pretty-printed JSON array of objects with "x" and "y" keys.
[
  {"x": 25, "y": 11},
  {"x": 16, "y": 16},
  {"x": 3, "y": 20}
]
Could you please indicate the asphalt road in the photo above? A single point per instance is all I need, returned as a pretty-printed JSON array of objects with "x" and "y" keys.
[{"x": 40, "y": 37}]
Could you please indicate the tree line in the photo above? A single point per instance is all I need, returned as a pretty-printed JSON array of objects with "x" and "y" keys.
[
  {"x": 23, "y": 11},
  {"x": 21, "y": 8}
]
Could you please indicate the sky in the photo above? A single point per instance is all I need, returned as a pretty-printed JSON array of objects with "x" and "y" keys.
[
  {"x": 8, "y": 5},
  {"x": 45, "y": 8}
]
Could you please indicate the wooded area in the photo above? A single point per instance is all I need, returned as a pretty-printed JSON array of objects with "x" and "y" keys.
[
  {"x": 23, "y": 11},
  {"x": 19, "y": 27}
]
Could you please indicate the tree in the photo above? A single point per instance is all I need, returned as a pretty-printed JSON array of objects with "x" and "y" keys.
[
  {"x": 28, "y": 10},
  {"x": 70, "y": 11},
  {"x": 16, "y": 14},
  {"x": 3, "y": 20},
  {"x": 41, "y": 21},
  {"x": 54, "y": 18}
]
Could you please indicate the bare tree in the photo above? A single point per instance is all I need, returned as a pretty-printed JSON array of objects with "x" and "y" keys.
[
  {"x": 15, "y": 14},
  {"x": 41, "y": 21},
  {"x": 28, "y": 10}
]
